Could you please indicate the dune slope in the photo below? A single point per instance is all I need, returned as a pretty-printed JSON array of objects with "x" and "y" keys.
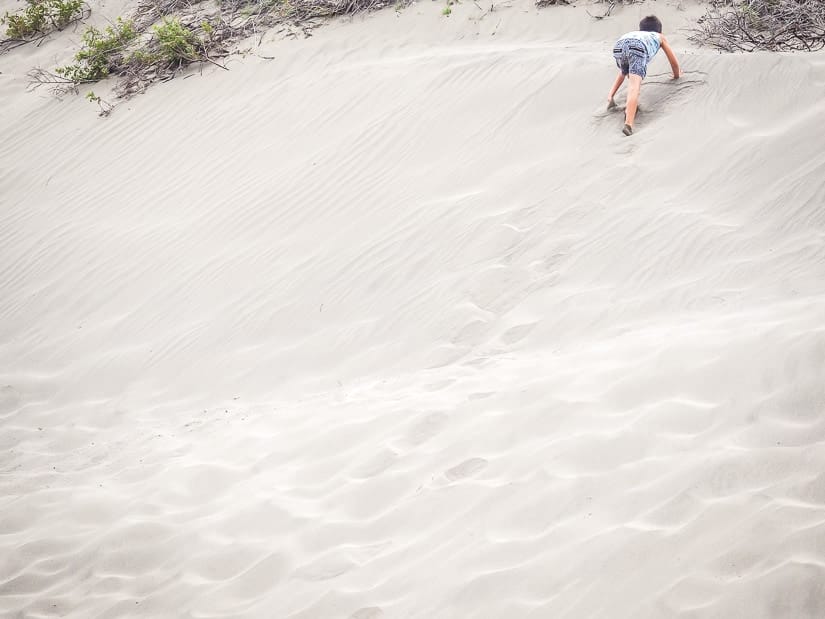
[{"x": 398, "y": 324}]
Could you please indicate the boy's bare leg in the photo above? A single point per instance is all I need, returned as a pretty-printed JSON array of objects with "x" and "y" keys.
[
  {"x": 632, "y": 98},
  {"x": 616, "y": 85}
]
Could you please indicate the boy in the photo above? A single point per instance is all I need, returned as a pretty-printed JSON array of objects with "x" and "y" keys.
[{"x": 633, "y": 52}]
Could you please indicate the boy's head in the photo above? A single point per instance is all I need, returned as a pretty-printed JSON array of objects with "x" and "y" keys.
[{"x": 651, "y": 23}]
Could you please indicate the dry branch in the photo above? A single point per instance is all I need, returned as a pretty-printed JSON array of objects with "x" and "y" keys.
[
  {"x": 774, "y": 25},
  {"x": 216, "y": 29}
]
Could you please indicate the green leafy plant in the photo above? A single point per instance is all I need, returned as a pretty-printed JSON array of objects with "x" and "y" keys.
[
  {"x": 140, "y": 53},
  {"x": 142, "y": 58},
  {"x": 105, "y": 107},
  {"x": 41, "y": 16},
  {"x": 177, "y": 43},
  {"x": 102, "y": 49}
]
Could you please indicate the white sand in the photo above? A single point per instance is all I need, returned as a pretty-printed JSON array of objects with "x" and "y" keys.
[{"x": 399, "y": 324}]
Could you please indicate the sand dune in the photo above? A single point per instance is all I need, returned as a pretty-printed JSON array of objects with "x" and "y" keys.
[{"x": 399, "y": 324}]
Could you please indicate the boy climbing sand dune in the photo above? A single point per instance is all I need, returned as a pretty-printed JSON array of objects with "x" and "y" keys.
[{"x": 633, "y": 52}]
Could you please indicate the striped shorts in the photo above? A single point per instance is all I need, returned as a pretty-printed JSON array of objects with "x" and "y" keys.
[{"x": 631, "y": 57}]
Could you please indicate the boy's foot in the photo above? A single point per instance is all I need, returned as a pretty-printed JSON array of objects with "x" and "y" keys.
[
  {"x": 611, "y": 104},
  {"x": 628, "y": 130}
]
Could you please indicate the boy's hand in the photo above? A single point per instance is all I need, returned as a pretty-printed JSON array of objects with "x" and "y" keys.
[{"x": 671, "y": 58}]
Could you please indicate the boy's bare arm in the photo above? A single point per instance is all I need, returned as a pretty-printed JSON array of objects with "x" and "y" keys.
[{"x": 671, "y": 58}]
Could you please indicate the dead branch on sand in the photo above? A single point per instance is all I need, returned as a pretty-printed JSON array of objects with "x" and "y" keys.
[
  {"x": 167, "y": 35},
  {"x": 774, "y": 25},
  {"x": 58, "y": 84},
  {"x": 607, "y": 11}
]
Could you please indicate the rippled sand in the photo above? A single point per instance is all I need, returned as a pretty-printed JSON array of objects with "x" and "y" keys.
[{"x": 399, "y": 324}]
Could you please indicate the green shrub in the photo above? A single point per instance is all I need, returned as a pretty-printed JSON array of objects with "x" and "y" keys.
[
  {"x": 40, "y": 16},
  {"x": 143, "y": 58},
  {"x": 177, "y": 43},
  {"x": 100, "y": 52}
]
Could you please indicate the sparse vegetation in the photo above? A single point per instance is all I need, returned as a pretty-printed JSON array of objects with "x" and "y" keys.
[
  {"x": 102, "y": 51},
  {"x": 775, "y": 25},
  {"x": 611, "y": 4},
  {"x": 41, "y": 17},
  {"x": 176, "y": 42},
  {"x": 162, "y": 36},
  {"x": 104, "y": 106},
  {"x": 180, "y": 36},
  {"x": 747, "y": 25},
  {"x": 118, "y": 50}
]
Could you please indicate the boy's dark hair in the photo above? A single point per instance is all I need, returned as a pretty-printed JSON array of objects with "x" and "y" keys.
[{"x": 651, "y": 23}]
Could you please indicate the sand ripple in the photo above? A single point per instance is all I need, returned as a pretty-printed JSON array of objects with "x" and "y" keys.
[{"x": 394, "y": 326}]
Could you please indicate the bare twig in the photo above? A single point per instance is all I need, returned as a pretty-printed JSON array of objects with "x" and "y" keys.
[
  {"x": 606, "y": 13},
  {"x": 215, "y": 30},
  {"x": 59, "y": 85},
  {"x": 774, "y": 25}
]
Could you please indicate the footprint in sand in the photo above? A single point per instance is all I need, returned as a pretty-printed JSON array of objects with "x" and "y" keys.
[
  {"x": 658, "y": 90},
  {"x": 465, "y": 469},
  {"x": 439, "y": 385},
  {"x": 375, "y": 465},
  {"x": 325, "y": 568},
  {"x": 513, "y": 335},
  {"x": 605, "y": 112},
  {"x": 373, "y": 612},
  {"x": 481, "y": 395},
  {"x": 424, "y": 429}
]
